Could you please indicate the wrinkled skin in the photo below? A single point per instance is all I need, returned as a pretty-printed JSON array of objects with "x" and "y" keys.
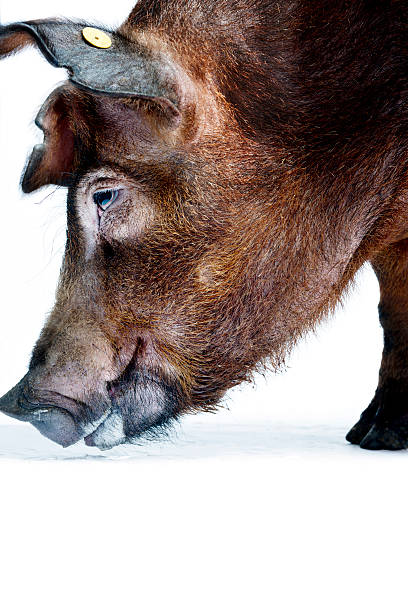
[{"x": 235, "y": 228}]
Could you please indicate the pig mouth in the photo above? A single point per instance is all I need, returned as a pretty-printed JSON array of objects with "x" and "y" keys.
[
  {"x": 143, "y": 405},
  {"x": 62, "y": 419},
  {"x": 131, "y": 409}
]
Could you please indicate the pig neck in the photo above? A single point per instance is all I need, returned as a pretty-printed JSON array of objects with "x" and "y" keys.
[{"x": 316, "y": 92}]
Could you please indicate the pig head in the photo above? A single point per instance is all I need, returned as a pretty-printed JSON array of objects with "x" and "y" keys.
[
  {"x": 105, "y": 363},
  {"x": 122, "y": 347},
  {"x": 201, "y": 238}
]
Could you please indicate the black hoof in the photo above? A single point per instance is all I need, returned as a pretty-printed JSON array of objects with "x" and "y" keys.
[
  {"x": 386, "y": 437},
  {"x": 361, "y": 429},
  {"x": 384, "y": 425},
  {"x": 372, "y": 441}
]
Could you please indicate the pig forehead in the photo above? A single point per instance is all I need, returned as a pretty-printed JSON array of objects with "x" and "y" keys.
[
  {"x": 150, "y": 170},
  {"x": 158, "y": 179},
  {"x": 121, "y": 134},
  {"x": 116, "y": 116}
]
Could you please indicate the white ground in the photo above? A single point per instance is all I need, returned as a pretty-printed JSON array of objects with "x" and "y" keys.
[{"x": 263, "y": 507}]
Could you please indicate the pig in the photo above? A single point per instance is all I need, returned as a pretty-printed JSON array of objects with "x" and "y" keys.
[{"x": 230, "y": 166}]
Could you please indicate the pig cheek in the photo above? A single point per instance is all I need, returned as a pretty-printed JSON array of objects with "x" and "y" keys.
[
  {"x": 212, "y": 275},
  {"x": 130, "y": 223}
]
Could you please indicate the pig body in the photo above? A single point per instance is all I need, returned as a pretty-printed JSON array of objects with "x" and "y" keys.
[{"x": 230, "y": 166}]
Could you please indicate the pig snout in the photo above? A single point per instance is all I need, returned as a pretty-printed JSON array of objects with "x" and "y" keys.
[
  {"x": 131, "y": 407},
  {"x": 62, "y": 419},
  {"x": 53, "y": 421}
]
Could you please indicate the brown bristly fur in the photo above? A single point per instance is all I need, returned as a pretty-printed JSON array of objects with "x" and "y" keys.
[{"x": 287, "y": 173}]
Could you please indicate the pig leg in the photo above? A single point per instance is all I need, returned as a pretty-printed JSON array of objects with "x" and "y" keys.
[{"x": 384, "y": 424}]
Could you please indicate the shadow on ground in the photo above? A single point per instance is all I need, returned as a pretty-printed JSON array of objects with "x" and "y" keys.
[{"x": 195, "y": 439}]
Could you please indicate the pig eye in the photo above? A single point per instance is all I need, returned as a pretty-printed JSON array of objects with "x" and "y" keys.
[{"x": 104, "y": 199}]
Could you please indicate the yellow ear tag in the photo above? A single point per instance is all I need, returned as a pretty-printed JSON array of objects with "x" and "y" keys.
[{"x": 97, "y": 38}]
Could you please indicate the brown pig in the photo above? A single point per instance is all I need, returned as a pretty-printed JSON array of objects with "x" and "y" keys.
[{"x": 230, "y": 166}]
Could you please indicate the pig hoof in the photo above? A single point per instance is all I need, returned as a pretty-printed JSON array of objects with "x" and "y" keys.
[
  {"x": 384, "y": 425},
  {"x": 374, "y": 432},
  {"x": 361, "y": 429},
  {"x": 386, "y": 436}
]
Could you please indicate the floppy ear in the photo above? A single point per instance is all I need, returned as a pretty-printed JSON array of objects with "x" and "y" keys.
[
  {"x": 13, "y": 41},
  {"x": 54, "y": 161},
  {"x": 122, "y": 68}
]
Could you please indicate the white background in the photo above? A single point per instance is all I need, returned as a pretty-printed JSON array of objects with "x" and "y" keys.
[{"x": 261, "y": 507}]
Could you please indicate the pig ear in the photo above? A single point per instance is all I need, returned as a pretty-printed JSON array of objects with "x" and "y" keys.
[
  {"x": 53, "y": 162},
  {"x": 101, "y": 61},
  {"x": 13, "y": 41}
]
